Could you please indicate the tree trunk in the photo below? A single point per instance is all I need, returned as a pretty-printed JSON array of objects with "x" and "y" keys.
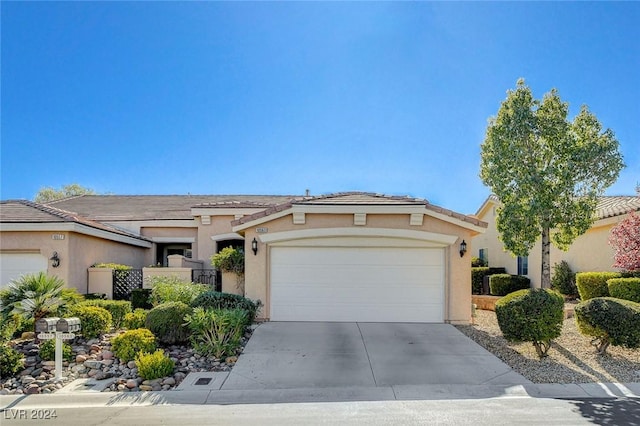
[{"x": 545, "y": 276}]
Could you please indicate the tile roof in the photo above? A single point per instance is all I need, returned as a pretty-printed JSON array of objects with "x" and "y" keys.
[
  {"x": 358, "y": 198},
  {"x": 27, "y": 212},
  {"x": 158, "y": 207},
  {"x": 608, "y": 205}
]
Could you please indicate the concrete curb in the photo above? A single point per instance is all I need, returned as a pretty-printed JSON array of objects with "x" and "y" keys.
[{"x": 275, "y": 396}]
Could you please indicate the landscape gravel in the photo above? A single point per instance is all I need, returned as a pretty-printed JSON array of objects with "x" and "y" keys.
[{"x": 571, "y": 358}]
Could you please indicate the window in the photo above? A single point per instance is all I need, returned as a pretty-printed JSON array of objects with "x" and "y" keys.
[
  {"x": 523, "y": 265},
  {"x": 483, "y": 254}
]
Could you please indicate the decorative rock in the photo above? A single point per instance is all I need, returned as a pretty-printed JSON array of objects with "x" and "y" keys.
[
  {"x": 131, "y": 383},
  {"x": 169, "y": 381},
  {"x": 146, "y": 388},
  {"x": 91, "y": 363},
  {"x": 131, "y": 364},
  {"x": 231, "y": 360},
  {"x": 107, "y": 355}
]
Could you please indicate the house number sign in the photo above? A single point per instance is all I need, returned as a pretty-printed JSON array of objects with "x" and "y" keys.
[
  {"x": 262, "y": 230},
  {"x": 57, "y": 237}
]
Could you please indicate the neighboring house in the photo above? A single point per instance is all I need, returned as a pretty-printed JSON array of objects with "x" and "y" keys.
[
  {"x": 589, "y": 252},
  {"x": 342, "y": 257}
]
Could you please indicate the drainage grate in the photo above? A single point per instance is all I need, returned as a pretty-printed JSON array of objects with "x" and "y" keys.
[{"x": 203, "y": 381}]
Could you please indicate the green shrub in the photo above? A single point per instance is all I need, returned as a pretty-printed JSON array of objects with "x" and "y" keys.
[
  {"x": 217, "y": 300},
  {"x": 564, "y": 279},
  {"x": 94, "y": 296},
  {"x": 173, "y": 289},
  {"x": 117, "y": 308},
  {"x": 503, "y": 284},
  {"x": 9, "y": 327},
  {"x": 609, "y": 321},
  {"x": 166, "y": 321},
  {"x": 135, "y": 319},
  {"x": 477, "y": 275},
  {"x": 477, "y": 262},
  {"x": 126, "y": 345},
  {"x": 94, "y": 320},
  {"x": 216, "y": 332},
  {"x": 154, "y": 365},
  {"x": 531, "y": 315},
  {"x": 625, "y": 288},
  {"x": 33, "y": 296},
  {"x": 594, "y": 284},
  {"x": 229, "y": 259},
  {"x": 141, "y": 298},
  {"x": 47, "y": 351},
  {"x": 11, "y": 361},
  {"x": 116, "y": 266}
]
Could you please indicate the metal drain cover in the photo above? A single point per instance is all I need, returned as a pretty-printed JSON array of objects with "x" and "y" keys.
[{"x": 203, "y": 381}]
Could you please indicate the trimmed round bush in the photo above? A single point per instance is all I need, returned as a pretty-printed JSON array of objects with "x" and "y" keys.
[
  {"x": 503, "y": 284},
  {"x": 610, "y": 321},
  {"x": 126, "y": 345},
  {"x": 94, "y": 320},
  {"x": 594, "y": 284},
  {"x": 166, "y": 321},
  {"x": 117, "y": 308},
  {"x": 531, "y": 315},
  {"x": 217, "y": 300},
  {"x": 564, "y": 279},
  {"x": 154, "y": 365},
  {"x": 135, "y": 319},
  {"x": 625, "y": 288}
]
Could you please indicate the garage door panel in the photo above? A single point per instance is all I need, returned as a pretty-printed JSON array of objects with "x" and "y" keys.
[
  {"x": 14, "y": 265},
  {"x": 357, "y": 284}
]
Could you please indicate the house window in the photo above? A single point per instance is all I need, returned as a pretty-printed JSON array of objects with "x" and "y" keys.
[
  {"x": 483, "y": 254},
  {"x": 523, "y": 265}
]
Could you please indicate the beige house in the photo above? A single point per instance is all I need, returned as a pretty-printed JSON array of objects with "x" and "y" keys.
[
  {"x": 589, "y": 252},
  {"x": 341, "y": 257}
]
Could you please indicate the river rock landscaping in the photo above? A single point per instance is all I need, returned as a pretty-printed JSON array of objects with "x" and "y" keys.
[
  {"x": 571, "y": 359},
  {"x": 94, "y": 359}
]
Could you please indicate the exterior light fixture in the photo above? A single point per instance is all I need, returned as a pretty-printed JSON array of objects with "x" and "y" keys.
[
  {"x": 254, "y": 246},
  {"x": 463, "y": 248},
  {"x": 55, "y": 259}
]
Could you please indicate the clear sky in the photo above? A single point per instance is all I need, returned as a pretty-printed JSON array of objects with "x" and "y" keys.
[{"x": 276, "y": 98}]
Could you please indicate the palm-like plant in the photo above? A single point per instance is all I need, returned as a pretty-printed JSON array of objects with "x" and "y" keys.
[{"x": 32, "y": 296}]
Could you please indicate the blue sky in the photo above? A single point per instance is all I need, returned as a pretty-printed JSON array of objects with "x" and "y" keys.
[{"x": 276, "y": 98}]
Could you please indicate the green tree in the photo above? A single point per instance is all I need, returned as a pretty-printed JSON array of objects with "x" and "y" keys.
[
  {"x": 48, "y": 194},
  {"x": 546, "y": 170}
]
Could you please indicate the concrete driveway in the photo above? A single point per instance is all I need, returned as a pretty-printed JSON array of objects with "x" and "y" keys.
[{"x": 288, "y": 355}]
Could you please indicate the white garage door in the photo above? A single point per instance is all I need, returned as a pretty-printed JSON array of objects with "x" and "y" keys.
[
  {"x": 357, "y": 284},
  {"x": 12, "y": 265}
]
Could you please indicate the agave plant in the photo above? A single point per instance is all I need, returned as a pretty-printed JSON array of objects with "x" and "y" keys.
[{"x": 32, "y": 296}]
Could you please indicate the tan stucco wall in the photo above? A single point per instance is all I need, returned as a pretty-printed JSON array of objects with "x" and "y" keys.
[
  {"x": 589, "y": 252},
  {"x": 219, "y": 225},
  {"x": 458, "y": 269},
  {"x": 77, "y": 252}
]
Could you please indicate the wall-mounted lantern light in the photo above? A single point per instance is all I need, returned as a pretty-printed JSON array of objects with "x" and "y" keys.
[
  {"x": 55, "y": 259},
  {"x": 463, "y": 248},
  {"x": 254, "y": 246}
]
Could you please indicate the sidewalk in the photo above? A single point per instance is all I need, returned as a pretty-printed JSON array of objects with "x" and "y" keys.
[{"x": 91, "y": 398}]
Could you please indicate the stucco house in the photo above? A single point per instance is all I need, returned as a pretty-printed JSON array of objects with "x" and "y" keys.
[
  {"x": 341, "y": 257},
  {"x": 589, "y": 252}
]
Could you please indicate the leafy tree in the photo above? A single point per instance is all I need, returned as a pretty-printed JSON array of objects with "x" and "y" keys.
[
  {"x": 547, "y": 171},
  {"x": 625, "y": 240},
  {"x": 48, "y": 194}
]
